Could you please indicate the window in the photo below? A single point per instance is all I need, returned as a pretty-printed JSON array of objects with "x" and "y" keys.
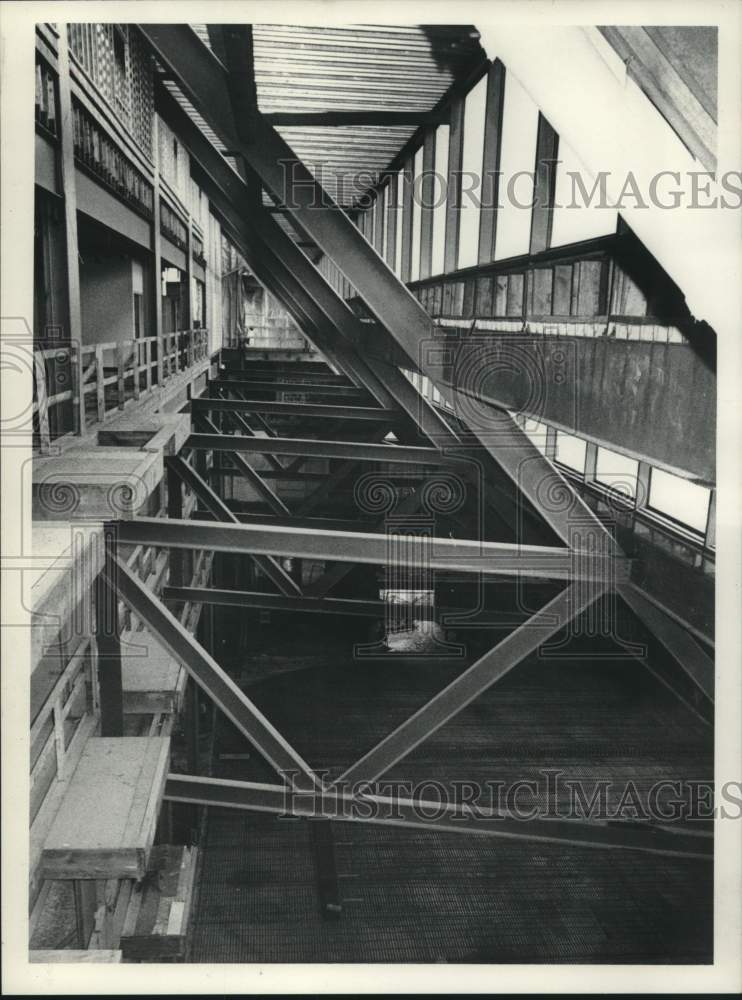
[
  {"x": 517, "y": 161},
  {"x": 416, "y": 214},
  {"x": 573, "y": 218},
  {"x": 616, "y": 471},
  {"x": 679, "y": 499},
  {"x": 440, "y": 186},
  {"x": 570, "y": 451},
  {"x": 536, "y": 431},
  {"x": 398, "y": 237},
  {"x": 471, "y": 174}
]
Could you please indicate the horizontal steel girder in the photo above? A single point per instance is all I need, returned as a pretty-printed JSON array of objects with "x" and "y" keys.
[
  {"x": 310, "y": 410},
  {"x": 356, "y": 451},
  {"x": 207, "y": 673},
  {"x": 489, "y": 558},
  {"x": 244, "y": 469},
  {"x": 334, "y": 804},
  {"x": 273, "y": 602},
  {"x": 311, "y": 389}
]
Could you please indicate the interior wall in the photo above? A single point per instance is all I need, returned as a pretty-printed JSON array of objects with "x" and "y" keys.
[{"x": 106, "y": 299}]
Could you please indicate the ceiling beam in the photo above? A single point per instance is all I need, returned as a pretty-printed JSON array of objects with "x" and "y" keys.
[{"x": 332, "y": 119}]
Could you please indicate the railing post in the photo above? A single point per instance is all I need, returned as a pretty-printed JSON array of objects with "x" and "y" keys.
[
  {"x": 42, "y": 407},
  {"x": 191, "y": 348},
  {"x": 78, "y": 394},
  {"x": 161, "y": 359},
  {"x": 100, "y": 386},
  {"x": 135, "y": 367},
  {"x": 120, "y": 373},
  {"x": 147, "y": 364}
]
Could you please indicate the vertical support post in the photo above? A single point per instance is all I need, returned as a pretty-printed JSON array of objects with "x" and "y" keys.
[
  {"x": 491, "y": 161},
  {"x": 453, "y": 201},
  {"x": 379, "y": 224},
  {"x": 408, "y": 178},
  {"x": 69, "y": 191},
  {"x": 591, "y": 461},
  {"x": 175, "y": 511},
  {"x": 148, "y": 364},
  {"x": 323, "y": 848},
  {"x": 644, "y": 474},
  {"x": 100, "y": 383},
  {"x": 551, "y": 443},
  {"x": 42, "y": 406},
  {"x": 78, "y": 394},
  {"x": 392, "y": 221},
  {"x": 120, "y": 372},
  {"x": 108, "y": 641},
  {"x": 157, "y": 254},
  {"x": 427, "y": 196},
  {"x": 542, "y": 214},
  {"x": 710, "y": 539},
  {"x": 135, "y": 364}
]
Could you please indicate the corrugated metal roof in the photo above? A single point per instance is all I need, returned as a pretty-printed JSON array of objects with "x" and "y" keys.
[{"x": 304, "y": 68}]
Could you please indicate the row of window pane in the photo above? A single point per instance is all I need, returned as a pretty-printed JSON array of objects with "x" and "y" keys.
[
  {"x": 672, "y": 496},
  {"x": 573, "y": 220}
]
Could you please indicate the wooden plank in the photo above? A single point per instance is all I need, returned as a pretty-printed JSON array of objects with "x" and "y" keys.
[
  {"x": 106, "y": 823},
  {"x": 157, "y": 924}
]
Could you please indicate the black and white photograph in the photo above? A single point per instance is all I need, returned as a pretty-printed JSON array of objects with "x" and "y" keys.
[{"x": 364, "y": 474}]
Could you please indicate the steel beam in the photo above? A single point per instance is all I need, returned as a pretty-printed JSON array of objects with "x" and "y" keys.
[
  {"x": 476, "y": 679},
  {"x": 216, "y": 506},
  {"x": 465, "y": 555},
  {"x": 244, "y": 468},
  {"x": 310, "y": 388},
  {"x": 206, "y": 83},
  {"x": 332, "y": 119},
  {"x": 680, "y": 645},
  {"x": 274, "y": 602},
  {"x": 310, "y": 410},
  {"x": 437, "y": 816},
  {"x": 311, "y": 448},
  {"x": 211, "y": 678}
]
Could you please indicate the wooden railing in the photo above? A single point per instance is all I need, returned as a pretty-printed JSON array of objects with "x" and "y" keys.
[{"x": 98, "y": 380}]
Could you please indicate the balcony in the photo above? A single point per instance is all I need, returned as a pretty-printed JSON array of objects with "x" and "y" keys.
[{"x": 78, "y": 388}]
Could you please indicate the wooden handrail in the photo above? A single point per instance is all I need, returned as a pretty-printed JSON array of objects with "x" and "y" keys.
[{"x": 95, "y": 367}]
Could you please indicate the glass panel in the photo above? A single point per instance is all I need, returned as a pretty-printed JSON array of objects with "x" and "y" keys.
[
  {"x": 471, "y": 174},
  {"x": 536, "y": 431},
  {"x": 570, "y": 451},
  {"x": 679, "y": 499},
  {"x": 617, "y": 471},
  {"x": 440, "y": 186},
  {"x": 517, "y": 161},
  {"x": 398, "y": 238},
  {"x": 576, "y": 215},
  {"x": 417, "y": 170}
]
